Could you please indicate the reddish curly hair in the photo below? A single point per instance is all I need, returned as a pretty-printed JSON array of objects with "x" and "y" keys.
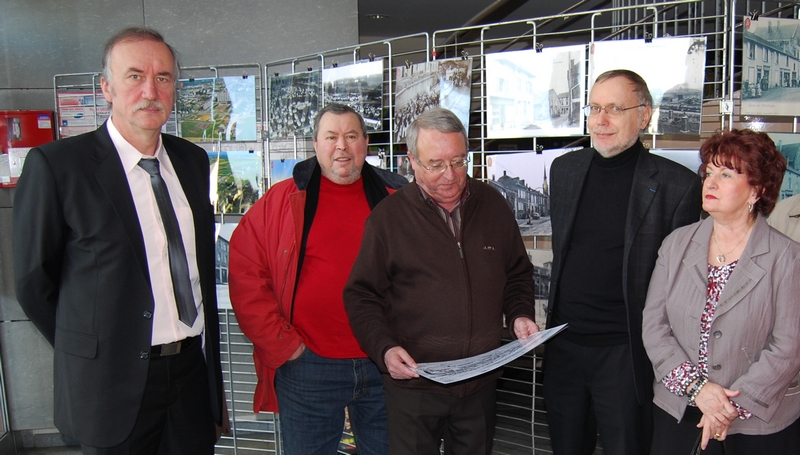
[{"x": 750, "y": 153}]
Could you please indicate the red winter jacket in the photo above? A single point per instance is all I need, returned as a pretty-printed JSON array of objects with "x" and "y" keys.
[{"x": 262, "y": 271}]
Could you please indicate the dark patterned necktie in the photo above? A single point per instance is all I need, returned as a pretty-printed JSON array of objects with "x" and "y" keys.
[{"x": 178, "y": 267}]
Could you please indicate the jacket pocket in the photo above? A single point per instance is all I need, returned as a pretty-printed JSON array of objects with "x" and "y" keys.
[
  {"x": 75, "y": 343},
  {"x": 794, "y": 386}
]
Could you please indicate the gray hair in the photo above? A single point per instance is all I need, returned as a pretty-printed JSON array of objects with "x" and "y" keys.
[
  {"x": 438, "y": 119},
  {"x": 137, "y": 34},
  {"x": 338, "y": 109},
  {"x": 639, "y": 84}
]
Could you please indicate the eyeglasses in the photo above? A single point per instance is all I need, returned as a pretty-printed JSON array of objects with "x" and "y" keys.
[
  {"x": 439, "y": 168},
  {"x": 611, "y": 111}
]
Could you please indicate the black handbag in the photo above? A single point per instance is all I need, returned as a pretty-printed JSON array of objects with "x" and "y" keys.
[{"x": 696, "y": 450}]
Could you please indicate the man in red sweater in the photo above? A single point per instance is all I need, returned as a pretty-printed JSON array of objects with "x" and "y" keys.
[{"x": 289, "y": 259}]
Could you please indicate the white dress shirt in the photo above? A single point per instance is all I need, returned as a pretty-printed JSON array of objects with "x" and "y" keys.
[{"x": 166, "y": 325}]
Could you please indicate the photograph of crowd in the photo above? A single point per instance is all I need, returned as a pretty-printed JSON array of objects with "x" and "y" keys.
[
  {"x": 293, "y": 101},
  {"x": 359, "y": 86},
  {"x": 535, "y": 93},
  {"x": 212, "y": 109},
  {"x": 440, "y": 83},
  {"x": 674, "y": 70},
  {"x": 771, "y": 67}
]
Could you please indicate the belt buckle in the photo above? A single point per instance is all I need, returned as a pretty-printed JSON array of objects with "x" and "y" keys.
[{"x": 171, "y": 348}]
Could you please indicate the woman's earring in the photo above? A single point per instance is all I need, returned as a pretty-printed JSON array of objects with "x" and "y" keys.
[{"x": 750, "y": 207}]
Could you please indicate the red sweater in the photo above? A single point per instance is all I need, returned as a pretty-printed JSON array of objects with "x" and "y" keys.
[{"x": 331, "y": 250}]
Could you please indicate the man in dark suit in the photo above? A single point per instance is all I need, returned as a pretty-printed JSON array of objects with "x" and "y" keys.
[
  {"x": 114, "y": 264},
  {"x": 611, "y": 206}
]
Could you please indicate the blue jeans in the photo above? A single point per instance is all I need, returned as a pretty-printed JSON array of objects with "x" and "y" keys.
[{"x": 313, "y": 392}]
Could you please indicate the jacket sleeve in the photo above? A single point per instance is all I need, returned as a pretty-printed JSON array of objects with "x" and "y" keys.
[
  {"x": 365, "y": 297},
  {"x": 764, "y": 384},
  {"x": 38, "y": 238},
  {"x": 254, "y": 288},
  {"x": 662, "y": 347}
]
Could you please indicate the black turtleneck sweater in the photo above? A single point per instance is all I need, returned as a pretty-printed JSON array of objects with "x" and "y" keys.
[{"x": 590, "y": 293}]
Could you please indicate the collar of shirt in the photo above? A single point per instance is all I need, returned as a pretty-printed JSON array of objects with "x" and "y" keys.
[
  {"x": 452, "y": 218},
  {"x": 436, "y": 205},
  {"x": 130, "y": 156}
]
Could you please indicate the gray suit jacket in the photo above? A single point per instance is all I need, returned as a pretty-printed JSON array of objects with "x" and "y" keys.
[
  {"x": 81, "y": 276},
  {"x": 754, "y": 345},
  {"x": 664, "y": 196}
]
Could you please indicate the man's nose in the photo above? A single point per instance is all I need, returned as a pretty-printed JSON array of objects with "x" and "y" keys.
[
  {"x": 149, "y": 91},
  {"x": 602, "y": 117},
  {"x": 449, "y": 172}
]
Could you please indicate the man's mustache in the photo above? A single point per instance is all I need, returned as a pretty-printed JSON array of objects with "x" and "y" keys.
[{"x": 148, "y": 104}]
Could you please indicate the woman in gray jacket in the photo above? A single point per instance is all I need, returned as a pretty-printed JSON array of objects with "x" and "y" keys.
[{"x": 722, "y": 318}]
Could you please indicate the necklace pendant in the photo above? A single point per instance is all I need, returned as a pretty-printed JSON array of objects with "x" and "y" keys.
[{"x": 721, "y": 258}]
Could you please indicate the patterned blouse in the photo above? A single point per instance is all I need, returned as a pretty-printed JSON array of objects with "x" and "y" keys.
[{"x": 678, "y": 380}]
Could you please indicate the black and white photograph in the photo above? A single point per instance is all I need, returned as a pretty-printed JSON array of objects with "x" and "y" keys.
[
  {"x": 440, "y": 83},
  {"x": 673, "y": 69},
  {"x": 293, "y": 102},
  {"x": 771, "y": 67},
  {"x": 535, "y": 94},
  {"x": 359, "y": 86},
  {"x": 789, "y": 146}
]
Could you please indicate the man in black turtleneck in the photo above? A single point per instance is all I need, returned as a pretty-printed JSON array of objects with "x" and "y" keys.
[{"x": 611, "y": 207}]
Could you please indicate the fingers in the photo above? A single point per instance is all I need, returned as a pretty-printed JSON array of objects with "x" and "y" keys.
[
  {"x": 706, "y": 436},
  {"x": 714, "y": 401},
  {"x": 524, "y": 327},
  {"x": 399, "y": 363},
  {"x": 711, "y": 430}
]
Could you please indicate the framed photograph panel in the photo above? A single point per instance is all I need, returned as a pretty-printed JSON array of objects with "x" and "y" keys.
[
  {"x": 212, "y": 109},
  {"x": 535, "y": 94},
  {"x": 294, "y": 100},
  {"x": 359, "y": 86},
  {"x": 770, "y": 67},
  {"x": 674, "y": 70},
  {"x": 440, "y": 83}
]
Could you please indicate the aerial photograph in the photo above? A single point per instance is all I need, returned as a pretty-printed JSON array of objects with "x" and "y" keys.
[{"x": 217, "y": 109}]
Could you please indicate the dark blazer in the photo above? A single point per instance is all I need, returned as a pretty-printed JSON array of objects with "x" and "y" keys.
[
  {"x": 665, "y": 195},
  {"x": 81, "y": 276}
]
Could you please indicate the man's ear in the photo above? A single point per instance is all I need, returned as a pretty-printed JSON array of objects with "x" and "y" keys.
[
  {"x": 106, "y": 87},
  {"x": 647, "y": 115}
]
